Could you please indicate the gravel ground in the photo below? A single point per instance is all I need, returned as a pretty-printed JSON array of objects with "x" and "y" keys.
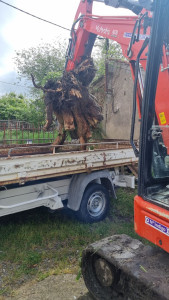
[{"x": 60, "y": 287}]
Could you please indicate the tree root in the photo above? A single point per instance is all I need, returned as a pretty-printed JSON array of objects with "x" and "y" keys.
[{"x": 74, "y": 107}]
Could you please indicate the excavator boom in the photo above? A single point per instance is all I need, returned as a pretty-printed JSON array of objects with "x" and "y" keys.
[{"x": 132, "y": 5}]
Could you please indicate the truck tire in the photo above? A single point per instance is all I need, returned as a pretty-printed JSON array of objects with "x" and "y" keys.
[{"x": 95, "y": 204}]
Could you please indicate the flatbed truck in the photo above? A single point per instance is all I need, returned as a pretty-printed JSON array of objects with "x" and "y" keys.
[{"x": 33, "y": 176}]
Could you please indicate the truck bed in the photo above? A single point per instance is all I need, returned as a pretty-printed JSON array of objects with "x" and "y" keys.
[{"x": 29, "y": 167}]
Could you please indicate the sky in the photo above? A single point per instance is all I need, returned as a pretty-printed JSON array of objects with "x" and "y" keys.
[{"x": 19, "y": 31}]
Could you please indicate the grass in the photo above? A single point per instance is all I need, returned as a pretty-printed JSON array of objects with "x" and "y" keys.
[
  {"x": 36, "y": 244},
  {"x": 21, "y": 137}
]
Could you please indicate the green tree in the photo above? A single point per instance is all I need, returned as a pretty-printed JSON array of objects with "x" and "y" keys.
[
  {"x": 105, "y": 50},
  {"x": 43, "y": 61},
  {"x": 47, "y": 60},
  {"x": 16, "y": 107}
]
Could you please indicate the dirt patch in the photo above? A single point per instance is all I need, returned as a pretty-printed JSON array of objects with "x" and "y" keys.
[{"x": 60, "y": 287}]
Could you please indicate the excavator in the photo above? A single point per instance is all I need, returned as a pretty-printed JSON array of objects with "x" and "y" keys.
[{"x": 120, "y": 267}]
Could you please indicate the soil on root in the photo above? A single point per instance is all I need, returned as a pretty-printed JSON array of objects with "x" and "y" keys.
[{"x": 69, "y": 100}]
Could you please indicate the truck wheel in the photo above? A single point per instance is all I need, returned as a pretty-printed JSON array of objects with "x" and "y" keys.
[{"x": 95, "y": 204}]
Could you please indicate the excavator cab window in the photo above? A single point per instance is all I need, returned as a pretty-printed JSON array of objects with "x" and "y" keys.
[
  {"x": 158, "y": 189},
  {"x": 160, "y": 156},
  {"x": 154, "y": 141}
]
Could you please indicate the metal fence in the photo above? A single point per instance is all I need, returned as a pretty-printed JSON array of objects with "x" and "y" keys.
[{"x": 19, "y": 132}]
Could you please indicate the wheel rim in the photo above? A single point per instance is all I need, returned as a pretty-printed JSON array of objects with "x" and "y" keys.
[
  {"x": 96, "y": 204},
  {"x": 104, "y": 272}
]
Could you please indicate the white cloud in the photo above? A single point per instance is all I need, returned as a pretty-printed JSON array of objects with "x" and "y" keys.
[{"x": 21, "y": 31}]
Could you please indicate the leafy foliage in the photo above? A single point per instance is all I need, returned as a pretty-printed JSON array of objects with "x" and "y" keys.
[
  {"x": 16, "y": 107},
  {"x": 44, "y": 61},
  {"x": 105, "y": 50}
]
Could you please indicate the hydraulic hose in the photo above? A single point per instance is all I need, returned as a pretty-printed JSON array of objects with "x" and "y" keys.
[{"x": 137, "y": 66}]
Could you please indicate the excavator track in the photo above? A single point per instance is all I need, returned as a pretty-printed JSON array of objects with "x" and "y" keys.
[{"x": 119, "y": 267}]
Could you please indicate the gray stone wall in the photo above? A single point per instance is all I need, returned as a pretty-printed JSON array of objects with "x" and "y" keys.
[{"x": 115, "y": 93}]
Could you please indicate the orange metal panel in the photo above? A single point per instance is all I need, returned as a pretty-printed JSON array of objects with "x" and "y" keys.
[{"x": 151, "y": 222}]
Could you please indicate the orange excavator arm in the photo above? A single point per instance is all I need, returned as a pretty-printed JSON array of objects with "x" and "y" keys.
[
  {"x": 131, "y": 32},
  {"x": 86, "y": 27}
]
